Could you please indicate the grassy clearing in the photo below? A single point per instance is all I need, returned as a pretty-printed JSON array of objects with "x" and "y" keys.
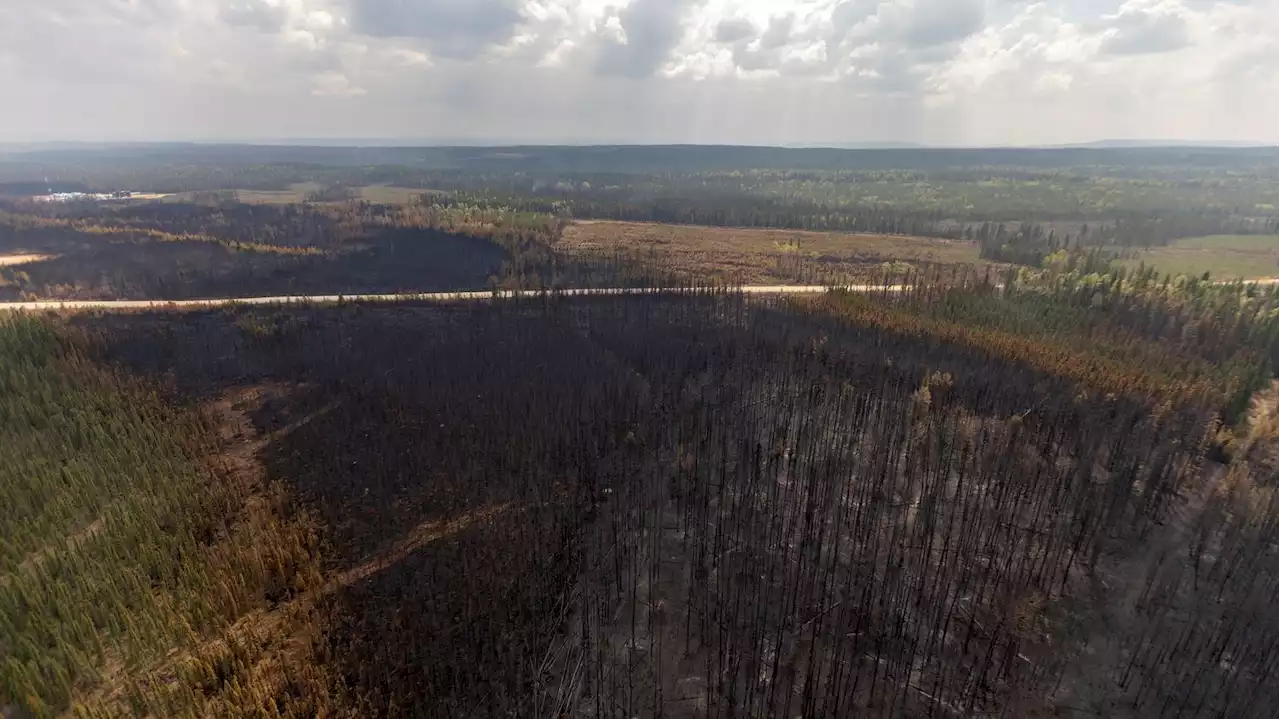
[
  {"x": 755, "y": 256},
  {"x": 1222, "y": 256},
  {"x": 390, "y": 194},
  {"x": 297, "y": 192}
]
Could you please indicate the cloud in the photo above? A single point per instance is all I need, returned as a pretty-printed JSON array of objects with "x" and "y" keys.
[
  {"x": 780, "y": 50},
  {"x": 333, "y": 84},
  {"x": 925, "y": 24},
  {"x": 735, "y": 29},
  {"x": 906, "y": 24},
  {"x": 778, "y": 33},
  {"x": 772, "y": 71},
  {"x": 893, "y": 46},
  {"x": 456, "y": 28},
  {"x": 650, "y": 31},
  {"x": 1141, "y": 28},
  {"x": 265, "y": 16}
]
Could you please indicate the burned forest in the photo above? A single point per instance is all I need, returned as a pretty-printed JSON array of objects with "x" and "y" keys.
[
  {"x": 684, "y": 505},
  {"x": 634, "y": 432}
]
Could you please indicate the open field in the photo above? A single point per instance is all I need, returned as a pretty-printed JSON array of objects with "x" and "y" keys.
[
  {"x": 389, "y": 194},
  {"x": 757, "y": 256},
  {"x": 297, "y": 192},
  {"x": 1222, "y": 256}
]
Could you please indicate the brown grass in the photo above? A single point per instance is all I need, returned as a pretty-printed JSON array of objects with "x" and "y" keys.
[
  {"x": 1256, "y": 440},
  {"x": 761, "y": 256},
  {"x": 1224, "y": 257},
  {"x": 297, "y": 193},
  {"x": 390, "y": 194}
]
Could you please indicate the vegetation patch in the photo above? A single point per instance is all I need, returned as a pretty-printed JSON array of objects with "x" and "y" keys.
[
  {"x": 1223, "y": 257},
  {"x": 760, "y": 256},
  {"x": 134, "y": 534}
]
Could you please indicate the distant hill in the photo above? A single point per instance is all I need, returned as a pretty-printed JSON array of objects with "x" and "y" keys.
[
  {"x": 1138, "y": 143},
  {"x": 71, "y": 162},
  {"x": 874, "y": 145}
]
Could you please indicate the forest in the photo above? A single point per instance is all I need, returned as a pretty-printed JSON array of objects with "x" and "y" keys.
[
  {"x": 1018, "y": 205},
  {"x": 998, "y": 467},
  {"x": 213, "y": 244},
  {"x": 696, "y": 504}
]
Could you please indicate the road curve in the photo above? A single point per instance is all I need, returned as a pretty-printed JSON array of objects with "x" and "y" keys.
[{"x": 418, "y": 297}]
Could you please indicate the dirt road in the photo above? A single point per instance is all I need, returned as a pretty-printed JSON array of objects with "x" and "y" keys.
[{"x": 6, "y": 260}]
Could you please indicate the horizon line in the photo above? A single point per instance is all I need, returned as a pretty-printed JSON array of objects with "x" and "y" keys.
[{"x": 406, "y": 142}]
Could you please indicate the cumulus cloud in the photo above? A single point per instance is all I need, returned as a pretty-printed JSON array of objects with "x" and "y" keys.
[
  {"x": 460, "y": 28},
  {"x": 735, "y": 29},
  {"x": 772, "y": 71},
  {"x": 650, "y": 31},
  {"x": 931, "y": 24},
  {"x": 260, "y": 14},
  {"x": 778, "y": 33},
  {"x": 333, "y": 83},
  {"x": 893, "y": 46},
  {"x": 1142, "y": 27}
]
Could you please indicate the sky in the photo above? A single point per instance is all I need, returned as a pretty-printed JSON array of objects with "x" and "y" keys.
[{"x": 939, "y": 72}]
